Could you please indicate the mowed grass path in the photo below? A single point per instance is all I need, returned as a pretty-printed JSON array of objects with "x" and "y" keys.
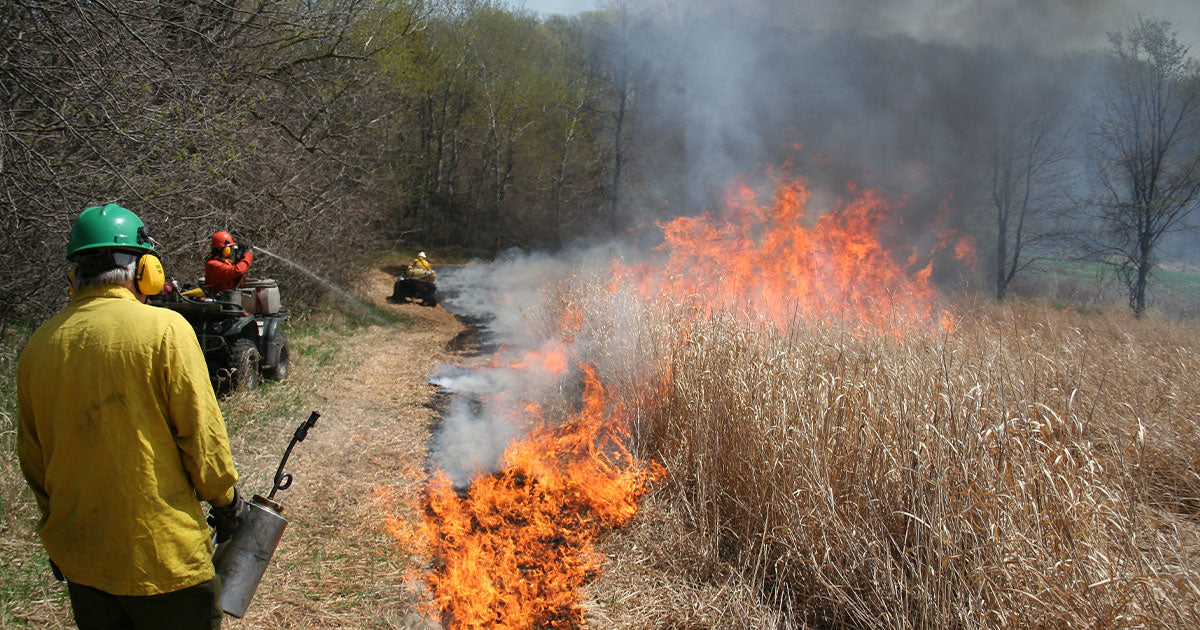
[{"x": 366, "y": 372}]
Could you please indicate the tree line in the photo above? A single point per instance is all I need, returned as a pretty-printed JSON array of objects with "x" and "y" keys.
[
  {"x": 199, "y": 116},
  {"x": 325, "y": 130},
  {"x": 319, "y": 130}
]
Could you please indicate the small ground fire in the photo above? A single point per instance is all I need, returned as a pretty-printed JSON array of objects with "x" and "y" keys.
[{"x": 512, "y": 550}]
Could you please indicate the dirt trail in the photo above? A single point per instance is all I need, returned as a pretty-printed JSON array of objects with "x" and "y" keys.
[{"x": 336, "y": 568}]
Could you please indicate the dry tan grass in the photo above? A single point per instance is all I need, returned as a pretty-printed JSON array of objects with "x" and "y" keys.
[
  {"x": 337, "y": 567},
  {"x": 1035, "y": 468}
]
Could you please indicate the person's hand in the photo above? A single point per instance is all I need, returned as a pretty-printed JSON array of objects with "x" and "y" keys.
[{"x": 226, "y": 520}]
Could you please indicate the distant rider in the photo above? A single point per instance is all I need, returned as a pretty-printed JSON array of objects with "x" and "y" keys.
[
  {"x": 421, "y": 268},
  {"x": 225, "y": 270}
]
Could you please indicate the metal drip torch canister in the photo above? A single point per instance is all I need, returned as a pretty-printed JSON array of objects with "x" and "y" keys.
[{"x": 242, "y": 560}]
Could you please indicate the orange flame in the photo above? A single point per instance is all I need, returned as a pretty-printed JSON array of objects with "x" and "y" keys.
[
  {"x": 964, "y": 246},
  {"x": 964, "y": 250},
  {"x": 551, "y": 360},
  {"x": 513, "y": 550},
  {"x": 771, "y": 261}
]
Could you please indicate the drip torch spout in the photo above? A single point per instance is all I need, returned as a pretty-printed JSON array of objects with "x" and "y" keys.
[
  {"x": 242, "y": 560},
  {"x": 283, "y": 480}
]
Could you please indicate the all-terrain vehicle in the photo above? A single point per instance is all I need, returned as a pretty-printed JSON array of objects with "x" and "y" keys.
[
  {"x": 414, "y": 286},
  {"x": 238, "y": 330}
]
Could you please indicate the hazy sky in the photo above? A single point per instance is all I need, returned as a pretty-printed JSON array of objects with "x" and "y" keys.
[
  {"x": 566, "y": 7},
  {"x": 1079, "y": 23}
]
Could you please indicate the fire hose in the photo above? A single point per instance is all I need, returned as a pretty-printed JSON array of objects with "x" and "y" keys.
[{"x": 242, "y": 560}]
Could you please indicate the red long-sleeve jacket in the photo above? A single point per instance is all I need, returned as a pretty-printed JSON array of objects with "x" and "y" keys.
[{"x": 222, "y": 274}]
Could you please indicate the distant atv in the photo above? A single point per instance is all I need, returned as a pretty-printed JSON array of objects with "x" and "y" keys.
[
  {"x": 412, "y": 285},
  {"x": 238, "y": 331}
]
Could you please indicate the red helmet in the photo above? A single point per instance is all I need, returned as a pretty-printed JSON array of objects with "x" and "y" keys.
[{"x": 222, "y": 239}]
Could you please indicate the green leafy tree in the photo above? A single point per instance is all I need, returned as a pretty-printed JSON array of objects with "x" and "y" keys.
[{"x": 498, "y": 140}]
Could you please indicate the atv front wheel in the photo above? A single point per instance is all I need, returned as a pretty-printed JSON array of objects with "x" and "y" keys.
[
  {"x": 244, "y": 362},
  {"x": 281, "y": 361}
]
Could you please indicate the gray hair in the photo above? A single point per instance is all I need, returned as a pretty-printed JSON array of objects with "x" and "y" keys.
[{"x": 90, "y": 276}]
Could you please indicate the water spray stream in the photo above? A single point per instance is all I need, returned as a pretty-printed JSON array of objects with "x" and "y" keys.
[{"x": 359, "y": 304}]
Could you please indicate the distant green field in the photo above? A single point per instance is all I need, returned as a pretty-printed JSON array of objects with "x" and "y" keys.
[
  {"x": 1184, "y": 283},
  {"x": 1174, "y": 292}
]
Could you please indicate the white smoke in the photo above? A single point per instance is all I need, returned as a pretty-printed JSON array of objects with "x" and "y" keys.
[
  {"x": 514, "y": 304},
  {"x": 890, "y": 95}
]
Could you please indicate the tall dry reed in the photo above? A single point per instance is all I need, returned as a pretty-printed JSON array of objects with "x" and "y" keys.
[{"x": 1033, "y": 468}]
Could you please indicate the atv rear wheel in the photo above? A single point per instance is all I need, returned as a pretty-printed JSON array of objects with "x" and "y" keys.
[
  {"x": 244, "y": 362},
  {"x": 282, "y": 360}
]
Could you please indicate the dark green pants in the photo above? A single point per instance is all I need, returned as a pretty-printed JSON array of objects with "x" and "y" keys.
[{"x": 196, "y": 607}]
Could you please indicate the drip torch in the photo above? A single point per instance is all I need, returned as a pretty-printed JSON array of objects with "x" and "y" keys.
[{"x": 242, "y": 560}]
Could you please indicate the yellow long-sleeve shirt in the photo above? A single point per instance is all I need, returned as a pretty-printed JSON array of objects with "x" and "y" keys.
[
  {"x": 120, "y": 438},
  {"x": 421, "y": 269}
]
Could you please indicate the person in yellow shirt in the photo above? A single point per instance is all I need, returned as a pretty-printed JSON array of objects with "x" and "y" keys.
[
  {"x": 120, "y": 438},
  {"x": 421, "y": 263},
  {"x": 421, "y": 269}
]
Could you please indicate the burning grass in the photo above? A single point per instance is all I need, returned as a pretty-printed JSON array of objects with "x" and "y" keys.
[
  {"x": 840, "y": 449},
  {"x": 512, "y": 548},
  {"x": 1034, "y": 468}
]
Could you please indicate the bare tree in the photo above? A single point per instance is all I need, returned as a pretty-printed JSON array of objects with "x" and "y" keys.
[
  {"x": 1148, "y": 141},
  {"x": 238, "y": 115},
  {"x": 1030, "y": 150},
  {"x": 621, "y": 78}
]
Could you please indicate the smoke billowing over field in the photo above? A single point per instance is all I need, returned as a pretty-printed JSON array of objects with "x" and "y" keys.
[
  {"x": 774, "y": 366},
  {"x": 912, "y": 100},
  {"x": 749, "y": 356}
]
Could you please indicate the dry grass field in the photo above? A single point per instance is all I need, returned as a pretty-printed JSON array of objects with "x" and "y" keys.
[{"x": 1035, "y": 467}]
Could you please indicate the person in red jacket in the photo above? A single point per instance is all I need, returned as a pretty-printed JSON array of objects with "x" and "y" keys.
[{"x": 224, "y": 271}]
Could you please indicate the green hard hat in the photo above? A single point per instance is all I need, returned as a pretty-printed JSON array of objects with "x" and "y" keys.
[{"x": 108, "y": 226}]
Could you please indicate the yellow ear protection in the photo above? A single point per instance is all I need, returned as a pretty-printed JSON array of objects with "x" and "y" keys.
[
  {"x": 150, "y": 276},
  {"x": 226, "y": 251}
]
